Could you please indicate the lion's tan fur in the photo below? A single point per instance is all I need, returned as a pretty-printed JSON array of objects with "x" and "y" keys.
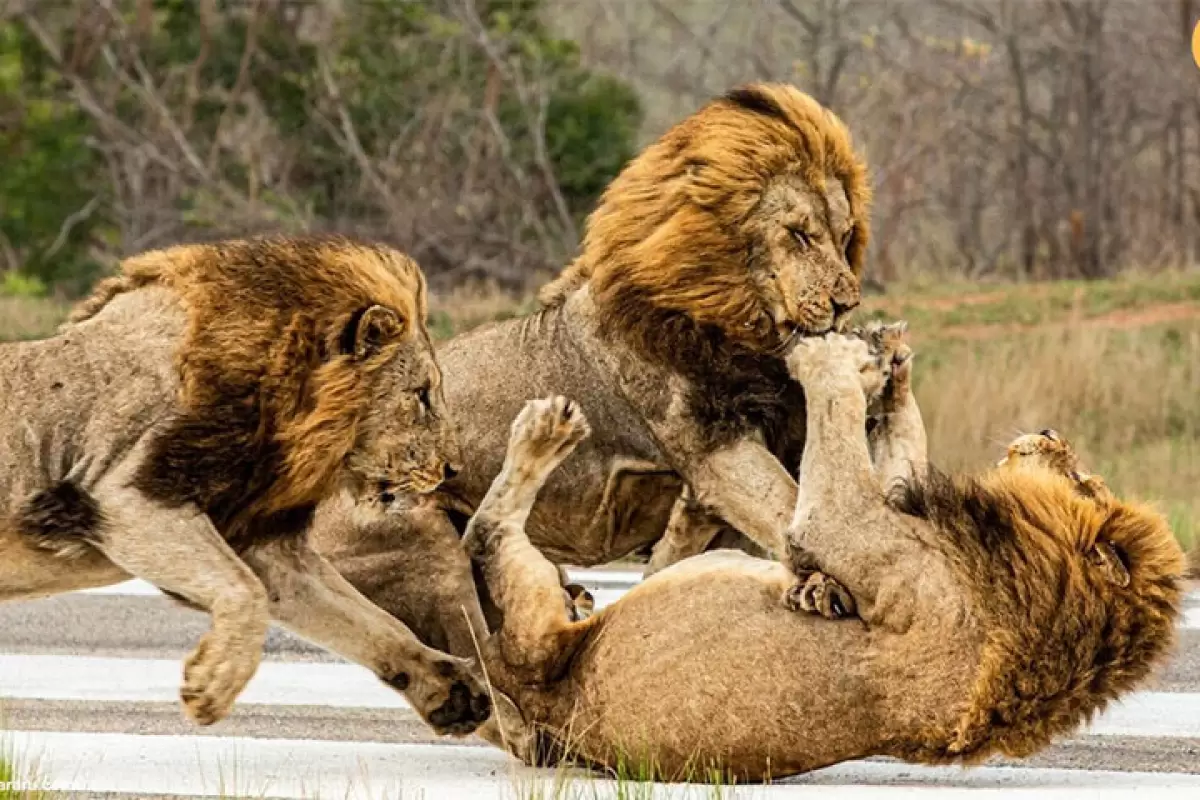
[
  {"x": 667, "y": 329},
  {"x": 263, "y": 317},
  {"x": 997, "y": 613},
  {"x": 186, "y": 422}
]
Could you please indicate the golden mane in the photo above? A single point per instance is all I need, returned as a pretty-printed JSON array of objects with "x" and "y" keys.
[
  {"x": 670, "y": 228},
  {"x": 1062, "y": 640},
  {"x": 270, "y": 394}
]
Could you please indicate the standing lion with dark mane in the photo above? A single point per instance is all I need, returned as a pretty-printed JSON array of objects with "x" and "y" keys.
[
  {"x": 994, "y": 612},
  {"x": 742, "y": 228},
  {"x": 183, "y": 427}
]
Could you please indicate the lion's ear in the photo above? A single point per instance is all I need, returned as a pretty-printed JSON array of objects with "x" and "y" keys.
[
  {"x": 1107, "y": 559},
  {"x": 369, "y": 330}
]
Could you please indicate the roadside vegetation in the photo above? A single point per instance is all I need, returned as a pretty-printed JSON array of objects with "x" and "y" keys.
[{"x": 21, "y": 775}]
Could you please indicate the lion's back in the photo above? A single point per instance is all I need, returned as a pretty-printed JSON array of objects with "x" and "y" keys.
[{"x": 89, "y": 394}]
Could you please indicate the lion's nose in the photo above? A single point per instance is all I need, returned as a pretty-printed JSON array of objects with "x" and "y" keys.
[
  {"x": 449, "y": 472},
  {"x": 841, "y": 308}
]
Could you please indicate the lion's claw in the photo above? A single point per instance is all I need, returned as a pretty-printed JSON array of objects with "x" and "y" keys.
[
  {"x": 819, "y": 594},
  {"x": 579, "y": 601},
  {"x": 886, "y": 380}
]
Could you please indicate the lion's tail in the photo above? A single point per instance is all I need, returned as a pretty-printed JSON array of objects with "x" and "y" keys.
[
  {"x": 556, "y": 292},
  {"x": 136, "y": 272},
  {"x": 102, "y": 294}
]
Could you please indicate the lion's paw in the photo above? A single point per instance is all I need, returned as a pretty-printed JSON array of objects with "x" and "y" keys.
[
  {"x": 447, "y": 695},
  {"x": 214, "y": 675},
  {"x": 828, "y": 358},
  {"x": 888, "y": 380},
  {"x": 817, "y": 593},
  {"x": 545, "y": 433},
  {"x": 580, "y": 603}
]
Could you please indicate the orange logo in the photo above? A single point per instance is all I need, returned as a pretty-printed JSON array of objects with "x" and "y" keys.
[{"x": 1196, "y": 44}]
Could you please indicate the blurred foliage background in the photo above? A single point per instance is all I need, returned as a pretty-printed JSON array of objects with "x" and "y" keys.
[{"x": 1017, "y": 139}]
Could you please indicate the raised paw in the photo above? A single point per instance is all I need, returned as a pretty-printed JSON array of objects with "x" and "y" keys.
[
  {"x": 887, "y": 382},
  {"x": 831, "y": 357},
  {"x": 545, "y": 433},
  {"x": 215, "y": 674},
  {"x": 448, "y": 696},
  {"x": 817, "y": 593}
]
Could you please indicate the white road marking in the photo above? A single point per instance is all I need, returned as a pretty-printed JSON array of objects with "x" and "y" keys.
[
  {"x": 606, "y": 586},
  {"x": 135, "y": 588},
  {"x": 141, "y": 680},
  {"x": 618, "y": 579},
  {"x": 210, "y": 766},
  {"x": 284, "y": 683}
]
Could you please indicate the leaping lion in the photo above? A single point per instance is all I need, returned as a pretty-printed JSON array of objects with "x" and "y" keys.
[
  {"x": 184, "y": 426},
  {"x": 994, "y": 612}
]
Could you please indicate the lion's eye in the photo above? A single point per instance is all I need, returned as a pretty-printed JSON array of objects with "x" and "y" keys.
[
  {"x": 423, "y": 398},
  {"x": 801, "y": 237}
]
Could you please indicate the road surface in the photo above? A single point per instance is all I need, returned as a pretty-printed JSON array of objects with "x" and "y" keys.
[{"x": 90, "y": 682}]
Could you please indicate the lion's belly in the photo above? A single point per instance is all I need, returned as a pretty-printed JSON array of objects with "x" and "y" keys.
[
  {"x": 703, "y": 664},
  {"x": 489, "y": 374},
  {"x": 586, "y": 527}
]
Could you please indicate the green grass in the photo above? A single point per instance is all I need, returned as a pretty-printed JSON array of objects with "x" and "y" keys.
[
  {"x": 931, "y": 309},
  {"x": 20, "y": 775},
  {"x": 29, "y": 317}
]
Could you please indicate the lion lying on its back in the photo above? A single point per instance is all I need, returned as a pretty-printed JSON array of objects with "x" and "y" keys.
[
  {"x": 184, "y": 427},
  {"x": 996, "y": 612}
]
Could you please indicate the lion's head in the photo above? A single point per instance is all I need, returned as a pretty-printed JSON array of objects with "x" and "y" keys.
[
  {"x": 1077, "y": 591},
  {"x": 306, "y": 365},
  {"x": 750, "y": 216},
  {"x": 406, "y": 444},
  {"x": 1047, "y": 450}
]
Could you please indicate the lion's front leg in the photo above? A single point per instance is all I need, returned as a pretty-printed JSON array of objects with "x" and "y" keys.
[
  {"x": 179, "y": 551},
  {"x": 842, "y": 526},
  {"x": 897, "y": 438},
  {"x": 310, "y": 598}
]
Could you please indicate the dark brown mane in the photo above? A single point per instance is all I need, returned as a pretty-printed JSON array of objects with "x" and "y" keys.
[
  {"x": 667, "y": 252},
  {"x": 1061, "y": 640},
  {"x": 270, "y": 397}
]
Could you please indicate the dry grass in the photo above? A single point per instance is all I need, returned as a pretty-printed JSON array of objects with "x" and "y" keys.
[
  {"x": 29, "y": 318},
  {"x": 1125, "y": 398},
  {"x": 1113, "y": 365}
]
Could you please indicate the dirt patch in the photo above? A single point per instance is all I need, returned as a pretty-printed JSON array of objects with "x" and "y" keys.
[
  {"x": 895, "y": 305},
  {"x": 1124, "y": 319}
]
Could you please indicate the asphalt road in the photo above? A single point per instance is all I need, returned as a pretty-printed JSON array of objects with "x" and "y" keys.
[{"x": 89, "y": 683}]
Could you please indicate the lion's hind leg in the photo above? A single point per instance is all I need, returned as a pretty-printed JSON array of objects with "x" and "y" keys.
[
  {"x": 690, "y": 530},
  {"x": 311, "y": 599},
  {"x": 45, "y": 554},
  {"x": 537, "y": 628},
  {"x": 180, "y": 551}
]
